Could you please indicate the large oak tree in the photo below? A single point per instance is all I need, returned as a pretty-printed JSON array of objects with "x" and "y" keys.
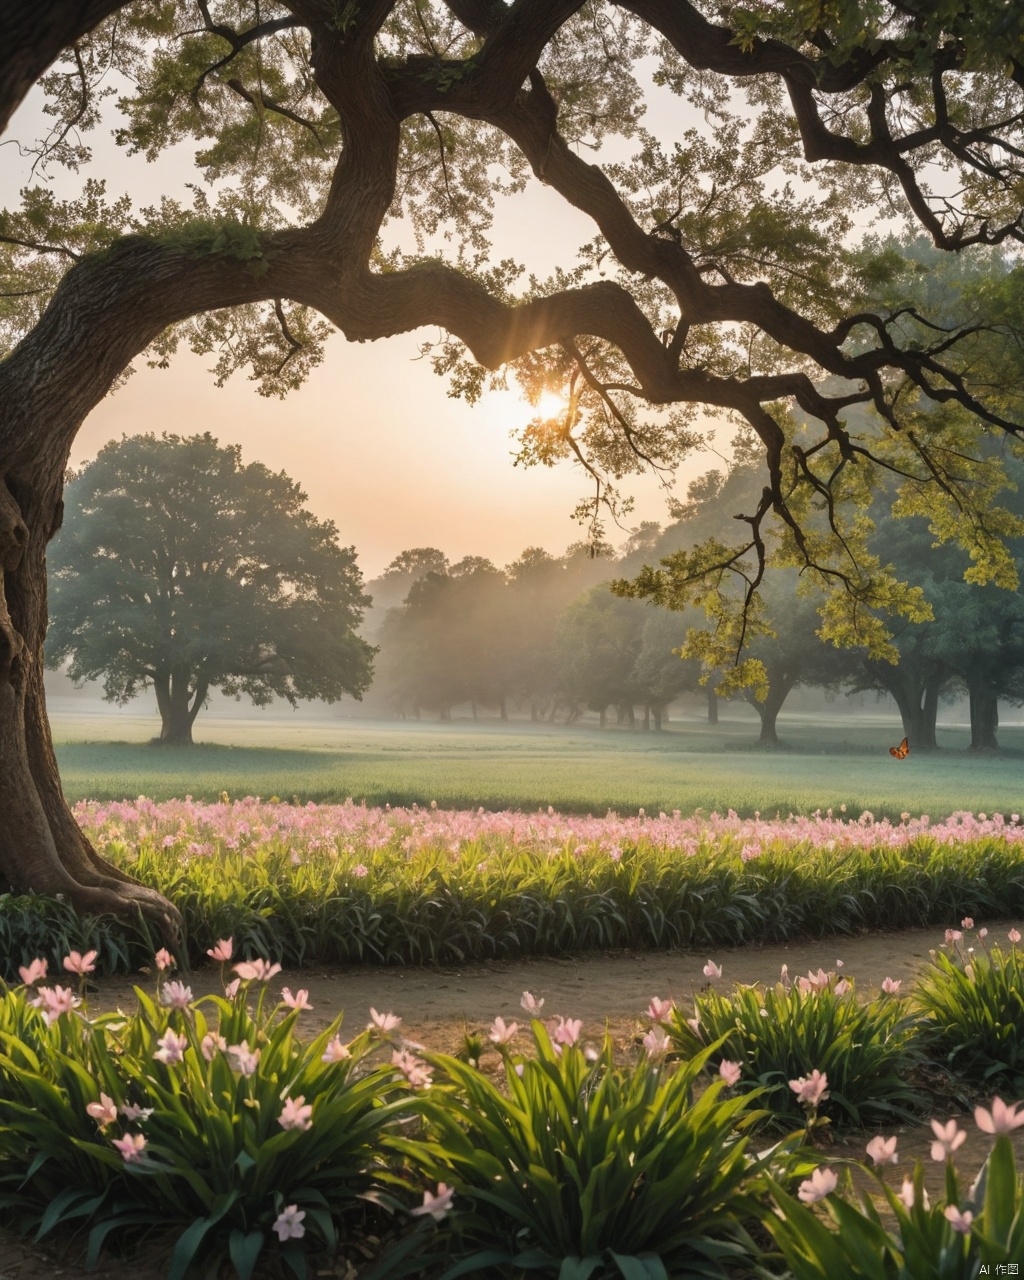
[
  {"x": 720, "y": 271},
  {"x": 181, "y": 569}
]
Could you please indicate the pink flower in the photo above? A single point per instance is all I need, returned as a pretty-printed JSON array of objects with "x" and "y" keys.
[
  {"x": 436, "y": 1205},
  {"x": 842, "y": 987},
  {"x": 811, "y": 1089},
  {"x": 658, "y": 1010},
  {"x": 359, "y": 870},
  {"x": 131, "y": 1147},
  {"x": 211, "y": 1044},
  {"x": 172, "y": 1048},
  {"x": 567, "y": 1031},
  {"x": 982, "y": 934},
  {"x": 259, "y": 969},
  {"x": 242, "y": 1059},
  {"x": 1001, "y": 1119},
  {"x": 298, "y": 1001},
  {"x": 749, "y": 852},
  {"x": 729, "y": 1071},
  {"x": 383, "y": 1021},
  {"x": 882, "y": 1150},
  {"x": 958, "y": 1221},
  {"x": 416, "y": 1072},
  {"x": 164, "y": 959},
  {"x": 176, "y": 994},
  {"x": 891, "y": 985},
  {"x": 530, "y": 1004},
  {"x": 1014, "y": 936},
  {"x": 335, "y": 1052},
  {"x": 655, "y": 1042},
  {"x": 967, "y": 922},
  {"x": 712, "y": 970},
  {"x": 288, "y": 1223},
  {"x": 77, "y": 963},
  {"x": 231, "y": 990},
  {"x": 103, "y": 1112},
  {"x": 907, "y": 1195},
  {"x": 32, "y": 974},
  {"x": 500, "y": 1033},
  {"x": 820, "y": 1184},
  {"x": 222, "y": 951},
  {"x": 57, "y": 1000},
  {"x": 947, "y": 1138},
  {"x": 295, "y": 1115},
  {"x": 131, "y": 1111}
]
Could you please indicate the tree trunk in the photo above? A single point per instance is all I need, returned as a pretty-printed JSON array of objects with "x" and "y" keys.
[
  {"x": 603, "y": 714},
  {"x": 712, "y": 698},
  {"x": 984, "y": 717},
  {"x": 779, "y": 689},
  {"x": 105, "y": 311},
  {"x": 502, "y": 709},
  {"x": 647, "y": 716},
  {"x": 658, "y": 711},
  {"x": 178, "y": 704}
]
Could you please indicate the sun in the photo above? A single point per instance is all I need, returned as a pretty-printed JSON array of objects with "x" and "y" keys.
[{"x": 550, "y": 405}]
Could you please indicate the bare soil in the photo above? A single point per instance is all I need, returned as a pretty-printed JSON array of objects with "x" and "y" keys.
[{"x": 611, "y": 989}]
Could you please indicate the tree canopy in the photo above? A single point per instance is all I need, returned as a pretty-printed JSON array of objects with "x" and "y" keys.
[
  {"x": 352, "y": 155},
  {"x": 181, "y": 569}
]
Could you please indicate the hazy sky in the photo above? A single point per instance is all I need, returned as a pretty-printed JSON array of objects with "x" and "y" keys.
[{"x": 372, "y": 437}]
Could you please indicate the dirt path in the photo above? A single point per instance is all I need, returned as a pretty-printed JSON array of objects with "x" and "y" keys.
[{"x": 437, "y": 1006}]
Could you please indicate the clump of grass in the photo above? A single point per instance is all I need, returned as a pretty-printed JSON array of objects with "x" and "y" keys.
[{"x": 972, "y": 1004}]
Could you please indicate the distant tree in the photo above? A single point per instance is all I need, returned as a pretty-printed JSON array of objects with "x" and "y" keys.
[
  {"x": 181, "y": 569},
  {"x": 449, "y": 643},
  {"x": 394, "y": 584},
  {"x": 599, "y": 641}
]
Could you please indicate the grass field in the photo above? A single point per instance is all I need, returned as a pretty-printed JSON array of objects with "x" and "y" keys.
[{"x": 692, "y": 765}]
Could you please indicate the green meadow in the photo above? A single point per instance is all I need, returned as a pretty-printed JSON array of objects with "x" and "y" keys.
[{"x": 692, "y": 765}]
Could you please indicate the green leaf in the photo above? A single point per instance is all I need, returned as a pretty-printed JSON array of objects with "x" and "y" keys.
[{"x": 244, "y": 1250}]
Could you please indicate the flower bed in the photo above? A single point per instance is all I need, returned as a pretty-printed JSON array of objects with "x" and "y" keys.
[
  {"x": 212, "y": 1120},
  {"x": 347, "y": 883}
]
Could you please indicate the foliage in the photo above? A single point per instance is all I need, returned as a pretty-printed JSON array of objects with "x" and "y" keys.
[
  {"x": 971, "y": 999},
  {"x": 351, "y": 884},
  {"x": 783, "y": 1033},
  {"x": 220, "y": 1158},
  {"x": 587, "y": 1168},
  {"x": 717, "y": 270},
  {"x": 180, "y": 568},
  {"x": 940, "y": 1241}
]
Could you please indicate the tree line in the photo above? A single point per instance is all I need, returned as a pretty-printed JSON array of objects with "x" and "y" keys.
[{"x": 546, "y": 634}]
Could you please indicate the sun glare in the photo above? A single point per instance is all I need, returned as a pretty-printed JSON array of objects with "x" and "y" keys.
[{"x": 550, "y": 405}]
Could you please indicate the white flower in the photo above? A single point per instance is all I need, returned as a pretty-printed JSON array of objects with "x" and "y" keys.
[
  {"x": 295, "y": 1115},
  {"x": 335, "y": 1052},
  {"x": 820, "y": 1184},
  {"x": 882, "y": 1150},
  {"x": 948, "y": 1138},
  {"x": 436, "y": 1205},
  {"x": 384, "y": 1021},
  {"x": 1001, "y": 1119},
  {"x": 288, "y": 1223},
  {"x": 712, "y": 970},
  {"x": 176, "y": 994},
  {"x": 530, "y": 1004},
  {"x": 172, "y": 1048}
]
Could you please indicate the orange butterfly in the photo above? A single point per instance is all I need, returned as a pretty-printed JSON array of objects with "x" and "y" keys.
[{"x": 902, "y": 751}]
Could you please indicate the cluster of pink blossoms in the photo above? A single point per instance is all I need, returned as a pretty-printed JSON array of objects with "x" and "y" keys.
[
  {"x": 187, "y": 829},
  {"x": 1003, "y": 1118}
]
